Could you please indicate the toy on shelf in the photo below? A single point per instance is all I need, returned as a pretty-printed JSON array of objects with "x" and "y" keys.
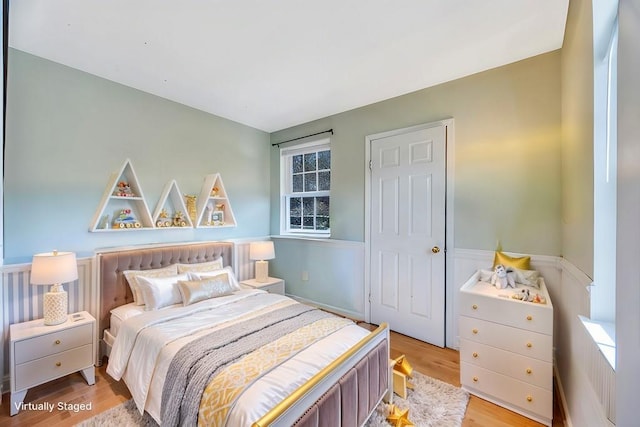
[
  {"x": 528, "y": 296},
  {"x": 126, "y": 220},
  {"x": 123, "y": 190},
  {"x": 503, "y": 278}
]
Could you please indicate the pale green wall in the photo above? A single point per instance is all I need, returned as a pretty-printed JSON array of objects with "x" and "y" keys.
[
  {"x": 507, "y": 155},
  {"x": 67, "y": 131},
  {"x": 577, "y": 137}
]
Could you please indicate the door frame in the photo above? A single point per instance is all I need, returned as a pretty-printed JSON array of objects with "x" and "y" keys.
[{"x": 449, "y": 191}]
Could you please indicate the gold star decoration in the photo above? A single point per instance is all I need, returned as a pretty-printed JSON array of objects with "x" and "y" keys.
[
  {"x": 399, "y": 417},
  {"x": 403, "y": 365}
]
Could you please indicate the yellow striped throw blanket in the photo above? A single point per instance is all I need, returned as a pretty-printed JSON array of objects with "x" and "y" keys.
[{"x": 207, "y": 376}]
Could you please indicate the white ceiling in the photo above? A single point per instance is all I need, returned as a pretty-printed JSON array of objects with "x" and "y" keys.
[{"x": 275, "y": 64}]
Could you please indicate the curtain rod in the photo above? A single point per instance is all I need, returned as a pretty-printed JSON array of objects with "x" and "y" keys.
[{"x": 277, "y": 144}]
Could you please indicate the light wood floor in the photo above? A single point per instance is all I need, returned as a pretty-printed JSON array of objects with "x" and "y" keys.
[{"x": 436, "y": 362}]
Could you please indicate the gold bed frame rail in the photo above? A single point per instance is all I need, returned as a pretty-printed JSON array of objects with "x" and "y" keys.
[{"x": 271, "y": 416}]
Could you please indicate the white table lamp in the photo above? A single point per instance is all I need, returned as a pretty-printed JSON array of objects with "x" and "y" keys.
[
  {"x": 261, "y": 252},
  {"x": 54, "y": 268}
]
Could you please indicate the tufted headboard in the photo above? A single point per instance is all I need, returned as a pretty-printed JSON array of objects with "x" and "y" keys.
[{"x": 113, "y": 287}]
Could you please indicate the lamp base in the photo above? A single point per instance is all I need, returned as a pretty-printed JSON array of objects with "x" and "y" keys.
[
  {"x": 262, "y": 271},
  {"x": 55, "y": 307}
]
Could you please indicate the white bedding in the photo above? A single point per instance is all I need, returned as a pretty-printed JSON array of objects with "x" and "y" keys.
[{"x": 146, "y": 343}]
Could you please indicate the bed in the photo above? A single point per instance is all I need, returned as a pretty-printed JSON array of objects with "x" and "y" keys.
[{"x": 280, "y": 363}]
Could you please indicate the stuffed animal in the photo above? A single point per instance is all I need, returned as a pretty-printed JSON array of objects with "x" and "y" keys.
[{"x": 502, "y": 278}]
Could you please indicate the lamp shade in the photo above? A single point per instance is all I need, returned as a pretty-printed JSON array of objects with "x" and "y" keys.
[
  {"x": 54, "y": 268},
  {"x": 261, "y": 251}
]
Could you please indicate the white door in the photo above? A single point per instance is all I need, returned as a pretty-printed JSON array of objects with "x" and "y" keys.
[{"x": 407, "y": 235}]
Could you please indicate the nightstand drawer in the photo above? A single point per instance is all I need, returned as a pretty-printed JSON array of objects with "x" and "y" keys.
[
  {"x": 56, "y": 342},
  {"x": 41, "y": 370}
]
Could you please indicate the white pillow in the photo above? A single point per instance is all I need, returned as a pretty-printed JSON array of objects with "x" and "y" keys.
[
  {"x": 216, "y": 264},
  {"x": 160, "y": 292},
  {"x": 208, "y": 274},
  {"x": 527, "y": 277},
  {"x": 132, "y": 279}
]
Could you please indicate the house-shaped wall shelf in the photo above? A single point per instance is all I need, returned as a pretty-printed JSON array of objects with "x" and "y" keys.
[
  {"x": 122, "y": 207},
  {"x": 213, "y": 205},
  {"x": 171, "y": 212}
]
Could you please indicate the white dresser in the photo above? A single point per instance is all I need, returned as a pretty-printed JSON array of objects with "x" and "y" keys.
[{"x": 506, "y": 348}]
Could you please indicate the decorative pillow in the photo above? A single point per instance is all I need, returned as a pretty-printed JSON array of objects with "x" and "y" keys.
[
  {"x": 208, "y": 274},
  {"x": 501, "y": 258},
  {"x": 216, "y": 264},
  {"x": 193, "y": 291},
  {"x": 160, "y": 292},
  {"x": 132, "y": 279},
  {"x": 527, "y": 277}
]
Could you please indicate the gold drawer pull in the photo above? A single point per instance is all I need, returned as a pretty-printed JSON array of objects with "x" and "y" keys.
[
  {"x": 529, "y": 370},
  {"x": 474, "y": 306},
  {"x": 529, "y": 317},
  {"x": 529, "y": 399},
  {"x": 57, "y": 341},
  {"x": 475, "y": 354},
  {"x": 474, "y": 330},
  {"x": 58, "y": 364},
  {"x": 475, "y": 379},
  {"x": 529, "y": 345}
]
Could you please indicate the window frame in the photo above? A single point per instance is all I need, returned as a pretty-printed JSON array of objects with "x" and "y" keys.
[{"x": 287, "y": 193}]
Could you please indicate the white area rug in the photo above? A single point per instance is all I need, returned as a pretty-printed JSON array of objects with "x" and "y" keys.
[{"x": 432, "y": 403}]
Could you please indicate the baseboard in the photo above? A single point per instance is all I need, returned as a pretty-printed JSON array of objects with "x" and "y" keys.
[{"x": 563, "y": 399}]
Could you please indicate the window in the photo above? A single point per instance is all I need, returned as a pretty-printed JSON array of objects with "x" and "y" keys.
[{"x": 306, "y": 173}]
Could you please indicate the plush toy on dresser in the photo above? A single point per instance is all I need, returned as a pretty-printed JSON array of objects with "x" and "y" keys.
[{"x": 503, "y": 278}]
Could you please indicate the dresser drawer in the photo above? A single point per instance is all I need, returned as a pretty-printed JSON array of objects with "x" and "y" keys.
[
  {"x": 525, "y": 369},
  {"x": 38, "y": 371},
  {"x": 521, "y": 395},
  {"x": 519, "y": 314},
  {"x": 524, "y": 342},
  {"x": 55, "y": 342}
]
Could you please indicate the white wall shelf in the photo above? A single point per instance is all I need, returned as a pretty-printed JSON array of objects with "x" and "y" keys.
[
  {"x": 171, "y": 212},
  {"x": 213, "y": 205},
  {"x": 122, "y": 206}
]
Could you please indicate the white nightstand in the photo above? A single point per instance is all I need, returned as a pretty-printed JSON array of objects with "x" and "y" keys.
[
  {"x": 273, "y": 285},
  {"x": 41, "y": 353}
]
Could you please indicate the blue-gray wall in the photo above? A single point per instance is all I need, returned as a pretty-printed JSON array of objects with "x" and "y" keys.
[{"x": 67, "y": 131}]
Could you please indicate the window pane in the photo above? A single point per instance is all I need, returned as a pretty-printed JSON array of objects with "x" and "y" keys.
[
  {"x": 322, "y": 206},
  {"x": 308, "y": 223},
  {"x": 296, "y": 184},
  {"x": 295, "y": 206},
  {"x": 310, "y": 181},
  {"x": 310, "y": 162},
  {"x": 296, "y": 163},
  {"x": 295, "y": 222},
  {"x": 324, "y": 181},
  {"x": 308, "y": 206},
  {"x": 322, "y": 223},
  {"x": 324, "y": 160}
]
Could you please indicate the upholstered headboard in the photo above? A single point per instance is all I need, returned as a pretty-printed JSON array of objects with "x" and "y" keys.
[{"x": 113, "y": 288}]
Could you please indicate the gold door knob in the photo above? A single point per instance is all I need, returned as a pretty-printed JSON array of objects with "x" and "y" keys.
[
  {"x": 529, "y": 370},
  {"x": 57, "y": 341},
  {"x": 58, "y": 364},
  {"x": 475, "y": 354},
  {"x": 435, "y": 249},
  {"x": 529, "y": 398}
]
